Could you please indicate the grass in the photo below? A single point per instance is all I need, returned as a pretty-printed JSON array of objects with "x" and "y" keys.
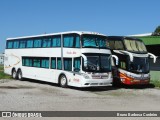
[
  {"x": 2, "y": 74},
  {"x": 156, "y": 83}
]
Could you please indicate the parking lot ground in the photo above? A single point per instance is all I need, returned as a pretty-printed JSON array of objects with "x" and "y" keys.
[{"x": 29, "y": 95}]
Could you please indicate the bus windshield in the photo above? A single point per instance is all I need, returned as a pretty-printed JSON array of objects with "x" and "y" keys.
[
  {"x": 135, "y": 46},
  {"x": 97, "y": 63},
  {"x": 94, "y": 41},
  {"x": 139, "y": 65}
]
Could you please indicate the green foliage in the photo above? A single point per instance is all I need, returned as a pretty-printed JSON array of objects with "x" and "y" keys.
[
  {"x": 156, "y": 83},
  {"x": 2, "y": 74},
  {"x": 157, "y": 31}
]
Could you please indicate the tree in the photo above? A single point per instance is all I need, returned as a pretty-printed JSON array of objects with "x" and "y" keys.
[{"x": 156, "y": 32}]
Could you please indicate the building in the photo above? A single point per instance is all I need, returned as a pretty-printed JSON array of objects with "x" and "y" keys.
[
  {"x": 153, "y": 46},
  {"x": 1, "y": 59}
]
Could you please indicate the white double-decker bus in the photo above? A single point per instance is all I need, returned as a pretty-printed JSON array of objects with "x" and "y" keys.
[{"x": 79, "y": 59}]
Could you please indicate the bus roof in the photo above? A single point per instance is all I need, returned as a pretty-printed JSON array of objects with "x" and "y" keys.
[
  {"x": 51, "y": 34},
  {"x": 123, "y": 37}
]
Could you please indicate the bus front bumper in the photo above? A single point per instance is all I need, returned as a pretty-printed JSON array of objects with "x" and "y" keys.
[
  {"x": 128, "y": 80},
  {"x": 134, "y": 81},
  {"x": 97, "y": 82}
]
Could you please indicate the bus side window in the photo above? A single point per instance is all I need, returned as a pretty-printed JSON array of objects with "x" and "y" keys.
[
  {"x": 36, "y": 62},
  {"x": 22, "y": 44},
  {"x": 68, "y": 64},
  {"x": 71, "y": 41},
  {"x": 77, "y": 64},
  {"x": 45, "y": 62},
  {"x": 29, "y": 44},
  {"x": 77, "y": 41},
  {"x": 37, "y": 43},
  {"x": 53, "y": 63},
  {"x": 9, "y": 44},
  {"x": 68, "y": 41},
  {"x": 26, "y": 61},
  {"x": 59, "y": 64},
  {"x": 46, "y": 42},
  {"x": 16, "y": 44},
  {"x": 56, "y": 41},
  {"x": 123, "y": 65}
]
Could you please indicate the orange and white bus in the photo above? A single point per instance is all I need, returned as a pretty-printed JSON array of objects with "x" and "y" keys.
[{"x": 133, "y": 66}]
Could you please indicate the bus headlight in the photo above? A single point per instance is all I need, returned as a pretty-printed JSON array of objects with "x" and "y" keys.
[{"x": 85, "y": 76}]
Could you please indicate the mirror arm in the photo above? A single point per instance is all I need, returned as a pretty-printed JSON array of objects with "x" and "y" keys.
[
  {"x": 153, "y": 56},
  {"x": 114, "y": 56}
]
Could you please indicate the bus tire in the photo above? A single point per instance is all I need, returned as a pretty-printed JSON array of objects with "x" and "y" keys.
[
  {"x": 63, "y": 81},
  {"x": 14, "y": 74},
  {"x": 19, "y": 75}
]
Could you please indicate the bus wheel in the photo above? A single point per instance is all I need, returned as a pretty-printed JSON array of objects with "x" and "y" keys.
[
  {"x": 63, "y": 81},
  {"x": 14, "y": 74},
  {"x": 19, "y": 75}
]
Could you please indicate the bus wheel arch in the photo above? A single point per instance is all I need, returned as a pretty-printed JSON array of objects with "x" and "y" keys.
[
  {"x": 19, "y": 74},
  {"x": 62, "y": 80},
  {"x": 14, "y": 73}
]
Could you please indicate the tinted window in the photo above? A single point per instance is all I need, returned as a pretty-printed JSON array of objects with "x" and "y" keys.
[
  {"x": 53, "y": 63},
  {"x": 27, "y": 62},
  {"x": 37, "y": 43},
  {"x": 22, "y": 44},
  {"x": 134, "y": 45},
  {"x": 29, "y": 44},
  {"x": 59, "y": 64},
  {"x": 68, "y": 64},
  {"x": 77, "y": 64},
  {"x": 36, "y": 62},
  {"x": 16, "y": 44},
  {"x": 94, "y": 41},
  {"x": 77, "y": 41},
  {"x": 116, "y": 45},
  {"x": 46, "y": 42},
  {"x": 68, "y": 41},
  {"x": 45, "y": 62},
  {"x": 71, "y": 41},
  {"x": 111, "y": 45},
  {"x": 56, "y": 41},
  {"x": 9, "y": 44}
]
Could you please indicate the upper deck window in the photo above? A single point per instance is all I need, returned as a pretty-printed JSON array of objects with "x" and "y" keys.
[
  {"x": 29, "y": 44},
  {"x": 37, "y": 43},
  {"x": 22, "y": 44},
  {"x": 116, "y": 45},
  {"x": 94, "y": 41},
  {"x": 16, "y": 44},
  {"x": 135, "y": 46},
  {"x": 56, "y": 41},
  {"x": 46, "y": 42},
  {"x": 9, "y": 44},
  {"x": 71, "y": 41}
]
